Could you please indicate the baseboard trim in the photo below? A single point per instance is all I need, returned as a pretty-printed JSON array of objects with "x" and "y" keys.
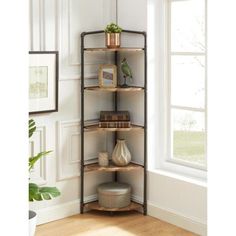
[
  {"x": 67, "y": 209},
  {"x": 177, "y": 219},
  {"x": 58, "y": 212},
  {"x": 61, "y": 211}
]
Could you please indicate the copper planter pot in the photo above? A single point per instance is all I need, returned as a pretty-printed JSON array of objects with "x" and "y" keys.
[{"x": 113, "y": 40}]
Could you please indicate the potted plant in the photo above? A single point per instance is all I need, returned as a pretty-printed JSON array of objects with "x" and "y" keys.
[
  {"x": 113, "y": 38},
  {"x": 37, "y": 193}
]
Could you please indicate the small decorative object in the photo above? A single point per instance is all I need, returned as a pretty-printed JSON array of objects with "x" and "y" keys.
[
  {"x": 127, "y": 73},
  {"x": 114, "y": 195},
  {"x": 107, "y": 76},
  {"x": 43, "y": 81},
  {"x": 113, "y": 35},
  {"x": 121, "y": 155},
  {"x": 114, "y": 119},
  {"x": 103, "y": 159}
]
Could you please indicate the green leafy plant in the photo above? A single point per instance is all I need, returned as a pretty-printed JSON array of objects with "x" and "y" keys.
[
  {"x": 37, "y": 193},
  {"x": 113, "y": 28}
]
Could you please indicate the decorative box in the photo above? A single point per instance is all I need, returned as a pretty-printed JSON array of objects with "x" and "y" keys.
[{"x": 114, "y": 195}]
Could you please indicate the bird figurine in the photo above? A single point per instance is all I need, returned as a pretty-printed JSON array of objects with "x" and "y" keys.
[{"x": 126, "y": 72}]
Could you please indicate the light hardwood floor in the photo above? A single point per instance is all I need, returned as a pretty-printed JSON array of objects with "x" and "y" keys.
[{"x": 102, "y": 224}]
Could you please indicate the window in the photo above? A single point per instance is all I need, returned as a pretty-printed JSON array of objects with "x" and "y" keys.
[{"x": 186, "y": 82}]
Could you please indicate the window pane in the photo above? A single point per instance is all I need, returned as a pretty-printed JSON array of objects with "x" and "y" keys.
[
  {"x": 188, "y": 26},
  {"x": 188, "y": 81},
  {"x": 188, "y": 136}
]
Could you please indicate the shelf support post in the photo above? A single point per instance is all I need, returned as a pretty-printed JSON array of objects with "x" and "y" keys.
[
  {"x": 82, "y": 128},
  {"x": 145, "y": 126}
]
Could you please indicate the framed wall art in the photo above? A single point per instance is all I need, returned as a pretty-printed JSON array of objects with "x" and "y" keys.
[
  {"x": 107, "y": 76},
  {"x": 43, "y": 81}
]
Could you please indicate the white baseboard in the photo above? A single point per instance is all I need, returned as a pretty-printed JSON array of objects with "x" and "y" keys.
[
  {"x": 175, "y": 218},
  {"x": 61, "y": 211},
  {"x": 67, "y": 209},
  {"x": 57, "y": 212}
]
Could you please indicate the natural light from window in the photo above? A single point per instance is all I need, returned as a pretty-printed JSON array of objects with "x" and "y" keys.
[{"x": 187, "y": 81}]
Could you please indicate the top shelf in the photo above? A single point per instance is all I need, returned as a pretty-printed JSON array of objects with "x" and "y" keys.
[{"x": 113, "y": 49}]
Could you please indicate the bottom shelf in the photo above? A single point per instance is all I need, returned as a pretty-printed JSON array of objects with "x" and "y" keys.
[{"x": 96, "y": 206}]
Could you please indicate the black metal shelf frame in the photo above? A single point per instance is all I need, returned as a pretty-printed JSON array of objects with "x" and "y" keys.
[{"x": 83, "y": 50}]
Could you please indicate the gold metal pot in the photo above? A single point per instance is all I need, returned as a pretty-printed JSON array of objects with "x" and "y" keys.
[{"x": 113, "y": 40}]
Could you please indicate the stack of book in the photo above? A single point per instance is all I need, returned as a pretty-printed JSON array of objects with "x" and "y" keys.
[{"x": 114, "y": 119}]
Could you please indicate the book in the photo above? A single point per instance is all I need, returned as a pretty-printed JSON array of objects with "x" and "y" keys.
[
  {"x": 91, "y": 122},
  {"x": 114, "y": 124},
  {"x": 114, "y": 116},
  {"x": 91, "y": 161}
]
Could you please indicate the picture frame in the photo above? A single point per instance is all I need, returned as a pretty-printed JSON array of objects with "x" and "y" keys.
[
  {"x": 107, "y": 76},
  {"x": 43, "y": 81}
]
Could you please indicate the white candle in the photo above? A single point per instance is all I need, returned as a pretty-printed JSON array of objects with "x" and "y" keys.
[{"x": 103, "y": 159}]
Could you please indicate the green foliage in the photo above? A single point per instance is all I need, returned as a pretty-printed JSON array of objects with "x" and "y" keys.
[
  {"x": 37, "y": 193},
  {"x": 33, "y": 160},
  {"x": 32, "y": 127},
  {"x": 113, "y": 28}
]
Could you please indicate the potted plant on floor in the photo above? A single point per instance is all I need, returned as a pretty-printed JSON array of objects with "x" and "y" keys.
[
  {"x": 113, "y": 32},
  {"x": 37, "y": 193}
]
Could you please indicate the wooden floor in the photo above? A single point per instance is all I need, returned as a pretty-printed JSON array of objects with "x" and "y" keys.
[{"x": 102, "y": 224}]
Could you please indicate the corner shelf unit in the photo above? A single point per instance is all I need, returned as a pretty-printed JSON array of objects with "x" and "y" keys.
[{"x": 85, "y": 168}]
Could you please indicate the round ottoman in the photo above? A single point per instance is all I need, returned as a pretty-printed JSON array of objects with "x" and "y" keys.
[{"x": 114, "y": 195}]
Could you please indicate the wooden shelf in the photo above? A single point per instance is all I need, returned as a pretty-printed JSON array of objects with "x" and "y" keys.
[
  {"x": 96, "y": 206},
  {"x": 97, "y": 128},
  {"x": 113, "y": 49},
  {"x": 118, "y": 89},
  {"x": 112, "y": 168}
]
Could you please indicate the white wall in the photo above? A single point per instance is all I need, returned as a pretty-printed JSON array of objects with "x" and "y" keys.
[{"x": 56, "y": 25}]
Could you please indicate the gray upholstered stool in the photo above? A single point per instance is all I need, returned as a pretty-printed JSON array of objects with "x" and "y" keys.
[{"x": 114, "y": 195}]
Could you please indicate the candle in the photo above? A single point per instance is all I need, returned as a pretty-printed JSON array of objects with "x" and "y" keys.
[{"x": 103, "y": 159}]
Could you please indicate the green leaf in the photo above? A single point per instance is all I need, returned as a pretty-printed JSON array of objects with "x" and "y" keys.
[
  {"x": 37, "y": 193},
  {"x": 32, "y": 127},
  {"x": 46, "y": 196},
  {"x": 42, "y": 193},
  {"x": 53, "y": 191},
  {"x": 33, "y": 190},
  {"x": 38, "y": 197},
  {"x": 33, "y": 187},
  {"x": 113, "y": 28},
  {"x": 31, "y": 122},
  {"x": 33, "y": 160}
]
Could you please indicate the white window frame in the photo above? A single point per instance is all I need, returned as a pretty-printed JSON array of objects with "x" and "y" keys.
[{"x": 166, "y": 162}]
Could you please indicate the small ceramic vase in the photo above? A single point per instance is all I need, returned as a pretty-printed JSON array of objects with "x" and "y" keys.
[{"x": 121, "y": 155}]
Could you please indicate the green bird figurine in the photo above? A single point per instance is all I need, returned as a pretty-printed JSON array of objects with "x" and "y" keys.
[{"x": 127, "y": 73}]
